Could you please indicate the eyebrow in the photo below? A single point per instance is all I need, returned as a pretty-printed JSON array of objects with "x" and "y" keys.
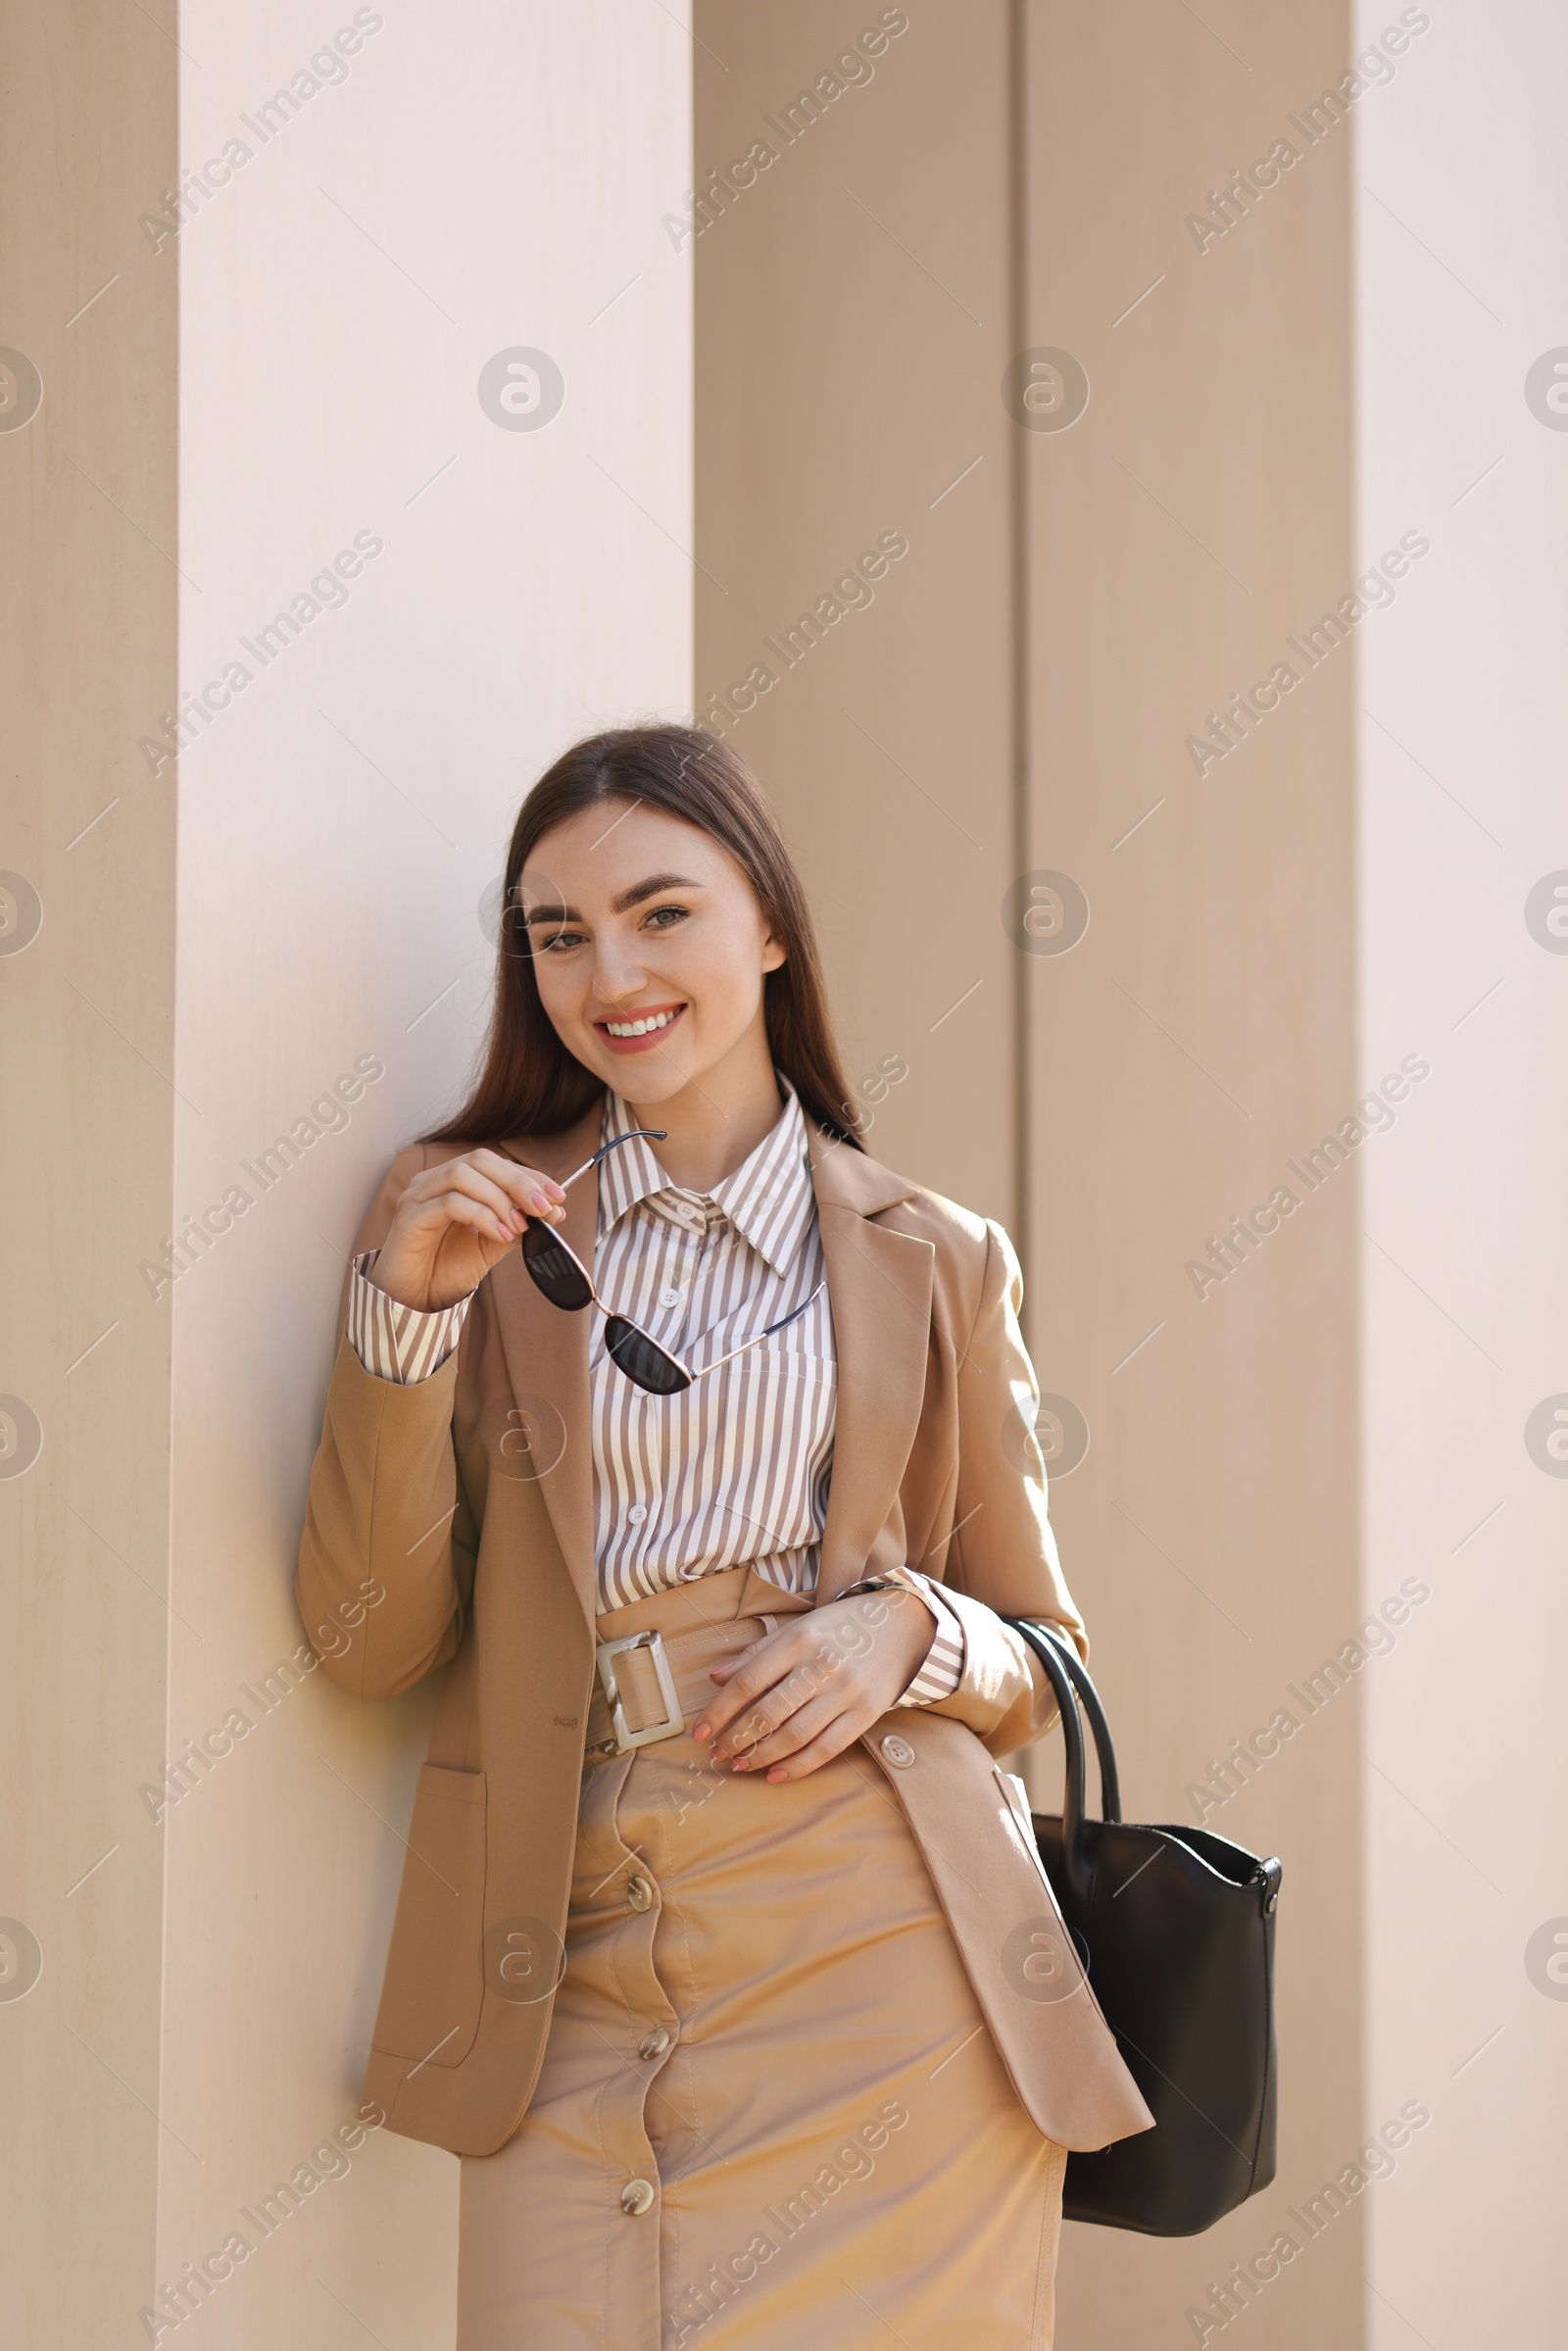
[{"x": 622, "y": 904}]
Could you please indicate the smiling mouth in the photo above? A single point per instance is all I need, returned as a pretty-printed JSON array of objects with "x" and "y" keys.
[{"x": 638, "y": 1032}]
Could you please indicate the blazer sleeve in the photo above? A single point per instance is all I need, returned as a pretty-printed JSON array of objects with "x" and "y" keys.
[
  {"x": 386, "y": 1560},
  {"x": 1002, "y": 1555}
]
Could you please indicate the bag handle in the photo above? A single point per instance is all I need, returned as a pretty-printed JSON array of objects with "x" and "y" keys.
[
  {"x": 1075, "y": 1867},
  {"x": 1069, "y": 1677},
  {"x": 1089, "y": 1695}
]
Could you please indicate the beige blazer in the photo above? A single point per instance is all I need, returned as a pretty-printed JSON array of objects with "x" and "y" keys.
[{"x": 466, "y": 1500}]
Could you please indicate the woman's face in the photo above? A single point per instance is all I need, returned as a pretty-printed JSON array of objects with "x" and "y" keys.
[{"x": 640, "y": 921}]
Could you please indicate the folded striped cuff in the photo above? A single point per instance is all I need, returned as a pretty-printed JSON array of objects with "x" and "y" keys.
[
  {"x": 938, "y": 1677},
  {"x": 943, "y": 1669},
  {"x": 397, "y": 1342}
]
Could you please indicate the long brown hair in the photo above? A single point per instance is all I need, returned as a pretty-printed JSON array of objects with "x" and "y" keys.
[{"x": 530, "y": 1083}]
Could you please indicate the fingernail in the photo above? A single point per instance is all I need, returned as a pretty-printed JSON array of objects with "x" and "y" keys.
[
  {"x": 542, "y": 1203},
  {"x": 702, "y": 1730},
  {"x": 776, "y": 1775}
]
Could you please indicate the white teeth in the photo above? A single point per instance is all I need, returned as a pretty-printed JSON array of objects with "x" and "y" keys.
[{"x": 639, "y": 1028}]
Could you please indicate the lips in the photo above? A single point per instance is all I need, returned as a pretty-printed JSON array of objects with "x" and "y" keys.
[{"x": 640, "y": 1031}]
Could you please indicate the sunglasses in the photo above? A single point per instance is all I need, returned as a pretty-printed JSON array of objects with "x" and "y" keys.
[{"x": 561, "y": 1274}]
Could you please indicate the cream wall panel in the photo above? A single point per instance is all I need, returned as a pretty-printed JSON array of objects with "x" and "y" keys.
[
  {"x": 469, "y": 186},
  {"x": 1460, "y": 263}
]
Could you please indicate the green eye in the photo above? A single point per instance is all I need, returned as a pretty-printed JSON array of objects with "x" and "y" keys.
[{"x": 674, "y": 913}]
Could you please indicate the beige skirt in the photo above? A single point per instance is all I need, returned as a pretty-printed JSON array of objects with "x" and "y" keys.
[{"x": 769, "y": 2114}]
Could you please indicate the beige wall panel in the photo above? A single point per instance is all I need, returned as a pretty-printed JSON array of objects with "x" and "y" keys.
[
  {"x": 1202, "y": 1034},
  {"x": 87, "y": 119},
  {"x": 852, "y": 328}
]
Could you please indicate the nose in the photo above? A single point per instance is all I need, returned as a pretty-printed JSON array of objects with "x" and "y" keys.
[{"x": 618, "y": 974}]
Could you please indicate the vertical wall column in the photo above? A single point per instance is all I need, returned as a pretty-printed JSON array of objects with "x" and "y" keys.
[
  {"x": 88, "y": 1107},
  {"x": 849, "y": 227},
  {"x": 1191, "y": 1007}
]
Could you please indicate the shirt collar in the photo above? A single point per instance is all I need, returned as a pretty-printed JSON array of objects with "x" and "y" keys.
[{"x": 769, "y": 1197}]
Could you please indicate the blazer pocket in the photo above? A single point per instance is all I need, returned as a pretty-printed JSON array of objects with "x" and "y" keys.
[{"x": 430, "y": 1998}]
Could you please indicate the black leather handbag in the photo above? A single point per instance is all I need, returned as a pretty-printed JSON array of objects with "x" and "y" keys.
[{"x": 1175, "y": 1927}]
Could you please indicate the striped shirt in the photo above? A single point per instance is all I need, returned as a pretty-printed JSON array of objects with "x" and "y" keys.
[{"x": 733, "y": 1471}]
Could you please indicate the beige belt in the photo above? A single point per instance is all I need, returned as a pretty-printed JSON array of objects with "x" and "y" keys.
[{"x": 654, "y": 1686}]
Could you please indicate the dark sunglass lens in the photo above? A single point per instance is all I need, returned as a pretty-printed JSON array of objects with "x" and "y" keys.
[
  {"x": 555, "y": 1268},
  {"x": 641, "y": 1360}
]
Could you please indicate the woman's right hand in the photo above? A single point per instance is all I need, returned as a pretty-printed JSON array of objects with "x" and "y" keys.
[{"x": 455, "y": 1222}]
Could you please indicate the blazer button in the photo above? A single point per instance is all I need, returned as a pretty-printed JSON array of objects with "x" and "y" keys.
[
  {"x": 897, "y": 1750},
  {"x": 637, "y": 2195},
  {"x": 654, "y": 2044},
  {"x": 640, "y": 1894}
]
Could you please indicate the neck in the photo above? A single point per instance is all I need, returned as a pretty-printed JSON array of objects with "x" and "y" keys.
[{"x": 716, "y": 1123}]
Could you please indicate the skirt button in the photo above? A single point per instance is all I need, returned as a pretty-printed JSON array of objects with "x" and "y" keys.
[
  {"x": 897, "y": 1750},
  {"x": 654, "y": 2044},
  {"x": 640, "y": 1894},
  {"x": 637, "y": 2195}
]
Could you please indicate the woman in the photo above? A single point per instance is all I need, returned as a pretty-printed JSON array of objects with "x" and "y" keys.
[{"x": 689, "y": 1440}]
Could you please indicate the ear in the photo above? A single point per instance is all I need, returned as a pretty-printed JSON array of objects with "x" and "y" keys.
[{"x": 775, "y": 951}]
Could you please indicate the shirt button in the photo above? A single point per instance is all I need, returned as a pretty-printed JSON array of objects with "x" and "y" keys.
[
  {"x": 654, "y": 2044},
  {"x": 897, "y": 1750},
  {"x": 636, "y": 1514},
  {"x": 669, "y": 1298},
  {"x": 637, "y": 2195},
  {"x": 640, "y": 1894}
]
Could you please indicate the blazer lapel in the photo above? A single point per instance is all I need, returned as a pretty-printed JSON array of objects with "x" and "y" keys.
[
  {"x": 546, "y": 1353},
  {"x": 879, "y": 1285}
]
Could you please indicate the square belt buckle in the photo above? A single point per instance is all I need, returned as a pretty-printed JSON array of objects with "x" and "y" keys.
[{"x": 674, "y": 1720}]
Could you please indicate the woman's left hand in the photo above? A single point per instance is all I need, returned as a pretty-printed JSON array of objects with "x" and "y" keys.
[{"x": 800, "y": 1695}]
